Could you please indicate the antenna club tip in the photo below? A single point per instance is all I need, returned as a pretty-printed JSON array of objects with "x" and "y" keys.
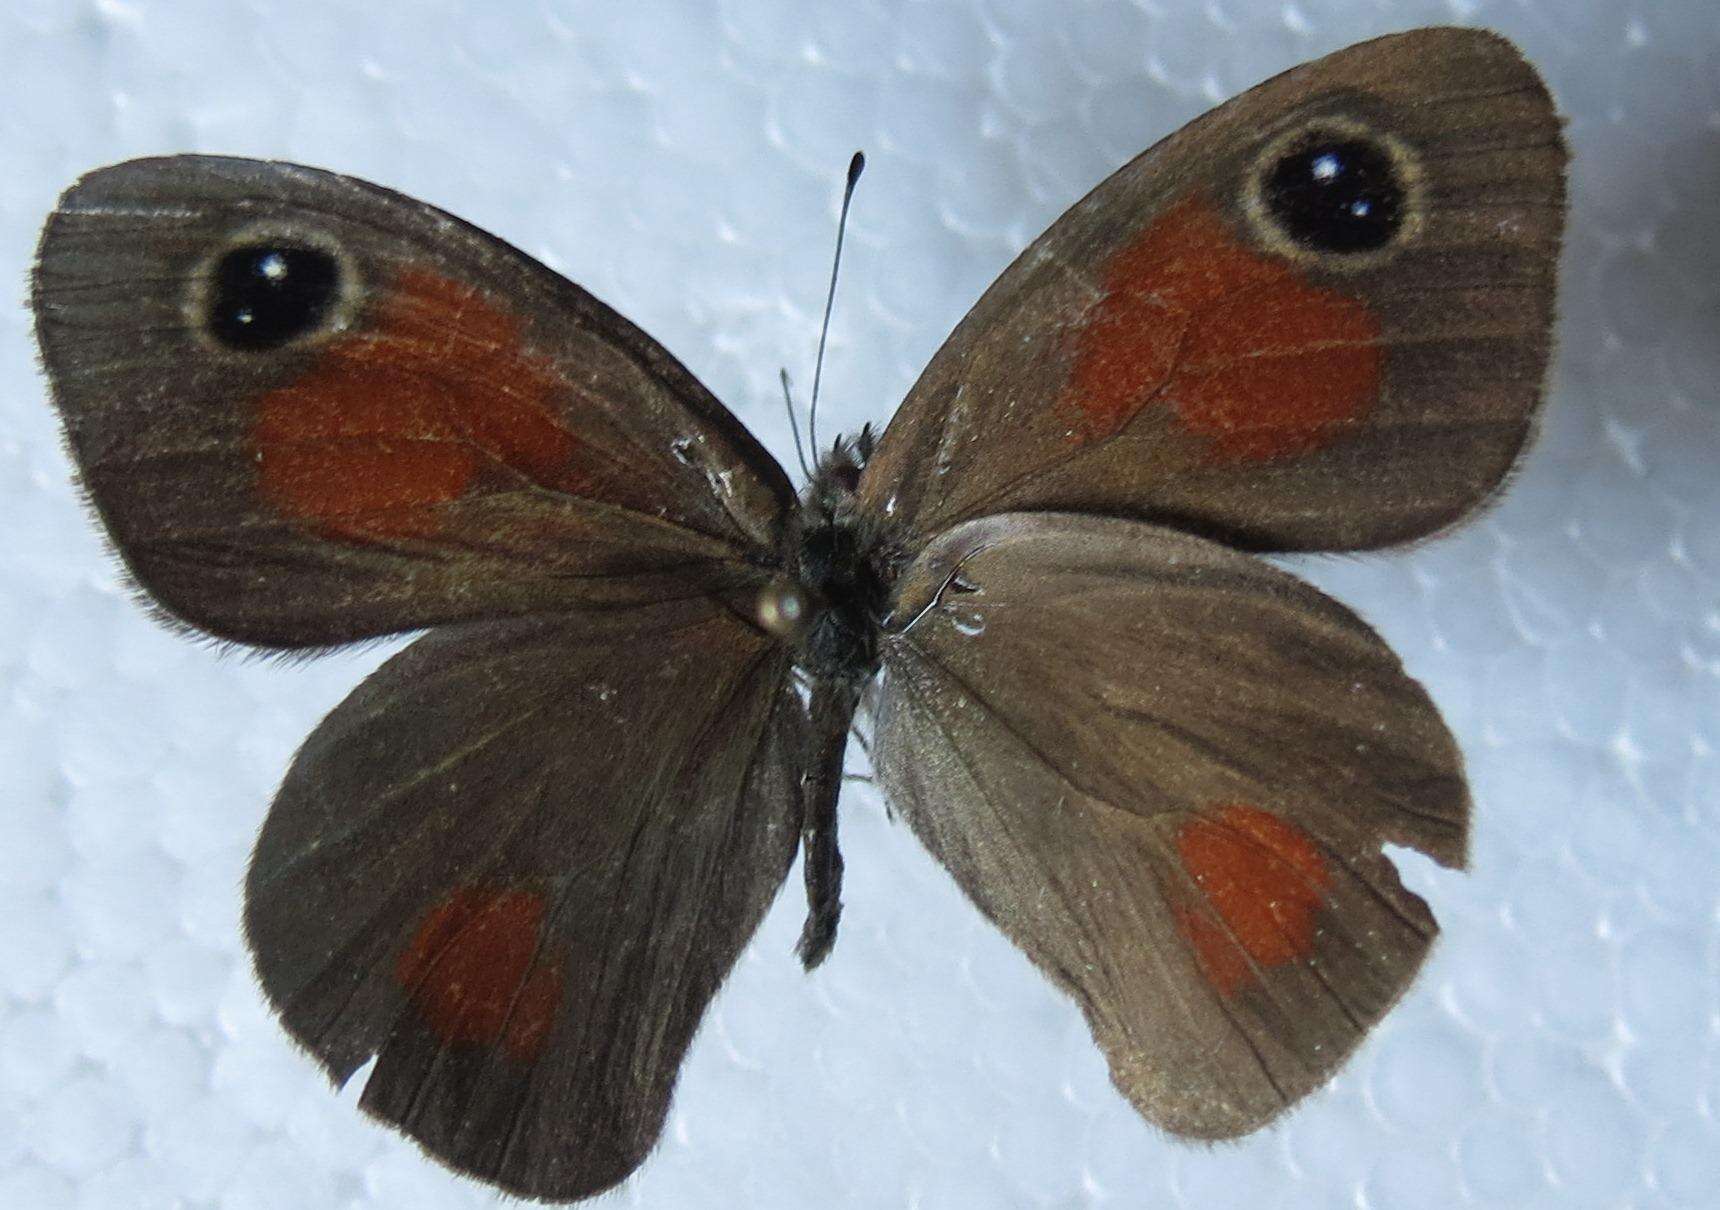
[{"x": 856, "y": 166}]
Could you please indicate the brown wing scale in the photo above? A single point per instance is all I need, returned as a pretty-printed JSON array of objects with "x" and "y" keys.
[
  {"x": 515, "y": 865},
  {"x": 453, "y": 432},
  {"x": 1166, "y": 770},
  {"x": 1165, "y": 352}
]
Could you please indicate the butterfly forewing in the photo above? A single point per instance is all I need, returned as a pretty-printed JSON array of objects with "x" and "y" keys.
[
  {"x": 515, "y": 864},
  {"x": 312, "y": 410},
  {"x": 1315, "y": 318},
  {"x": 1166, "y": 769}
]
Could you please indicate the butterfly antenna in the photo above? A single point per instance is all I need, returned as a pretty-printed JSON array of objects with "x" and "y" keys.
[
  {"x": 794, "y": 425},
  {"x": 856, "y": 166}
]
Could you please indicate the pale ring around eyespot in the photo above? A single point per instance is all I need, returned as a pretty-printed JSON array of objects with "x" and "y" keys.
[
  {"x": 349, "y": 289},
  {"x": 1272, "y": 236}
]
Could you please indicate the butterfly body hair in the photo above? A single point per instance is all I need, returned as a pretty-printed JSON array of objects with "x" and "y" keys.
[{"x": 837, "y": 552}]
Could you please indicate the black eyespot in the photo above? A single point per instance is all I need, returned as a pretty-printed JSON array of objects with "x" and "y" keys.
[
  {"x": 1336, "y": 193},
  {"x": 269, "y": 293}
]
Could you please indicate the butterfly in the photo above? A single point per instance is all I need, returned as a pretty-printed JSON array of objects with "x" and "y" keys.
[{"x": 517, "y": 862}]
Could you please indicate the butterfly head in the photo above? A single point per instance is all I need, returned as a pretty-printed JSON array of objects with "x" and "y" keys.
[{"x": 837, "y": 476}]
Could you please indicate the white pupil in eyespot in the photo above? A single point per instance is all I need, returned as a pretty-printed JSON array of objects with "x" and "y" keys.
[
  {"x": 273, "y": 266},
  {"x": 1326, "y": 167}
]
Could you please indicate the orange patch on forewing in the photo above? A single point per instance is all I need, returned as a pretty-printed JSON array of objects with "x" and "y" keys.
[
  {"x": 1263, "y": 880},
  {"x": 430, "y": 398},
  {"x": 476, "y": 972},
  {"x": 1240, "y": 347}
]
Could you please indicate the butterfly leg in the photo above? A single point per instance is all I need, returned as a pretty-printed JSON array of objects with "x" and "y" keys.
[{"x": 833, "y": 704}]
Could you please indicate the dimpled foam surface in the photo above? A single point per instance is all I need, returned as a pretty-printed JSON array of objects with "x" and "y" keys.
[{"x": 682, "y": 160}]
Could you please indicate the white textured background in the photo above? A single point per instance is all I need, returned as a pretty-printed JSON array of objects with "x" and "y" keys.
[{"x": 681, "y": 160}]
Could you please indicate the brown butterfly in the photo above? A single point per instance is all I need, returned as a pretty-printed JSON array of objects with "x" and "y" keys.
[{"x": 516, "y": 863}]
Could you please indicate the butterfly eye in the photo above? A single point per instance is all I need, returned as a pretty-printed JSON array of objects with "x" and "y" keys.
[{"x": 268, "y": 293}]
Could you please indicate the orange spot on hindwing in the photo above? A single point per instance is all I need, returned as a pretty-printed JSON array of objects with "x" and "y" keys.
[
  {"x": 432, "y": 397},
  {"x": 475, "y": 971},
  {"x": 1240, "y": 347},
  {"x": 1263, "y": 879}
]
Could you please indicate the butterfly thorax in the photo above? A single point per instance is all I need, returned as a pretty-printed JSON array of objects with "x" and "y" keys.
[{"x": 833, "y": 560}]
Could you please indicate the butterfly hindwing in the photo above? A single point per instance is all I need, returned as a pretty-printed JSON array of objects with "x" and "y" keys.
[
  {"x": 1166, "y": 770},
  {"x": 515, "y": 864},
  {"x": 312, "y": 410},
  {"x": 1315, "y": 318}
]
